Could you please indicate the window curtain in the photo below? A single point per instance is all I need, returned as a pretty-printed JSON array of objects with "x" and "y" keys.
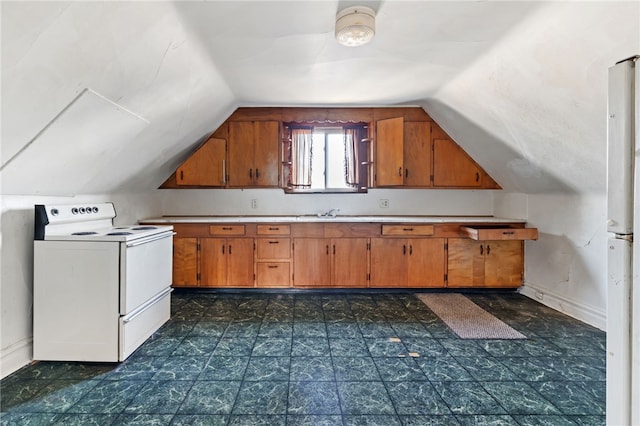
[
  {"x": 301, "y": 158},
  {"x": 351, "y": 168}
]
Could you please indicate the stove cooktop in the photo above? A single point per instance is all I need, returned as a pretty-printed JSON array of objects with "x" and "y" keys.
[{"x": 116, "y": 233}]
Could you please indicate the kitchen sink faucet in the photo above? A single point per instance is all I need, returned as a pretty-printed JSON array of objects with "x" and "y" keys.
[{"x": 330, "y": 213}]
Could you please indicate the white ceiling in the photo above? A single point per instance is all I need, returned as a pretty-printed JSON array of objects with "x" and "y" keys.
[{"x": 520, "y": 85}]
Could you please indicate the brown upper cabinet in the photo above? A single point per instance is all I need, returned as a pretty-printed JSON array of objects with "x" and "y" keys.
[
  {"x": 420, "y": 154},
  {"x": 403, "y": 153},
  {"x": 409, "y": 150},
  {"x": 206, "y": 167},
  {"x": 389, "y": 158},
  {"x": 453, "y": 167},
  {"x": 253, "y": 154}
]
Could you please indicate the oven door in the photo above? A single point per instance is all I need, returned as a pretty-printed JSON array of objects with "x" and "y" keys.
[
  {"x": 136, "y": 327},
  {"x": 145, "y": 270}
]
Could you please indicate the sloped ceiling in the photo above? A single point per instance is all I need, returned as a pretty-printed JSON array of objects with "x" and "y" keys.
[{"x": 520, "y": 85}]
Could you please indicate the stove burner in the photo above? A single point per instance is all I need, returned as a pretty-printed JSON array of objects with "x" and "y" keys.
[
  {"x": 120, "y": 233},
  {"x": 144, "y": 228},
  {"x": 84, "y": 233}
]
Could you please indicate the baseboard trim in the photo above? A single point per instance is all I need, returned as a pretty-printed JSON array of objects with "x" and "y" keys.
[
  {"x": 584, "y": 313},
  {"x": 16, "y": 356}
]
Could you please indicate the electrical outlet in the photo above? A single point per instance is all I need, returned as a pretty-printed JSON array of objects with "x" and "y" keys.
[
  {"x": 383, "y": 203},
  {"x": 254, "y": 203}
]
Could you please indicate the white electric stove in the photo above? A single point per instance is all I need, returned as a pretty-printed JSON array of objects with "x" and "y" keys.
[{"x": 99, "y": 290}]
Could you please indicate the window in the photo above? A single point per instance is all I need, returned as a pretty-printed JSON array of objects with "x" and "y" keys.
[{"x": 326, "y": 158}]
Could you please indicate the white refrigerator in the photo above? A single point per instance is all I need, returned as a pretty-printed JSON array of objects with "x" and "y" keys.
[{"x": 623, "y": 218}]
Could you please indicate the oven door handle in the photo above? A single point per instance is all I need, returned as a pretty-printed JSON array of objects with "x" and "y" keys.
[
  {"x": 151, "y": 239},
  {"x": 141, "y": 309}
]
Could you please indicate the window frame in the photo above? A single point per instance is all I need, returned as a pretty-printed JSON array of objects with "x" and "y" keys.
[{"x": 361, "y": 156}]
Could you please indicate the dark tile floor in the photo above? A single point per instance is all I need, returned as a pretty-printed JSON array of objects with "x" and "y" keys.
[{"x": 327, "y": 359}]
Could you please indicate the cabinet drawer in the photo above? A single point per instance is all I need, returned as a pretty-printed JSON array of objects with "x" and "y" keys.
[
  {"x": 489, "y": 232},
  {"x": 273, "y": 274},
  {"x": 226, "y": 230},
  {"x": 274, "y": 230},
  {"x": 407, "y": 230},
  {"x": 273, "y": 248}
]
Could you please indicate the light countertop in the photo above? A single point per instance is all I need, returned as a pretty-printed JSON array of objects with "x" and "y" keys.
[{"x": 329, "y": 219}]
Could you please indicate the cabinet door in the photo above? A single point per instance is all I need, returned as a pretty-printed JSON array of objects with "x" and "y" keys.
[
  {"x": 213, "y": 262},
  {"x": 417, "y": 154},
  {"x": 206, "y": 167},
  {"x": 452, "y": 167},
  {"x": 240, "y": 262},
  {"x": 241, "y": 149},
  {"x": 311, "y": 262},
  {"x": 349, "y": 262},
  {"x": 266, "y": 156},
  {"x": 503, "y": 264},
  {"x": 185, "y": 262},
  {"x": 465, "y": 264},
  {"x": 388, "y": 262},
  {"x": 426, "y": 260},
  {"x": 389, "y": 162}
]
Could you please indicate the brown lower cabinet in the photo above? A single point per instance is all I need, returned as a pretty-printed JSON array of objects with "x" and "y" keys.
[
  {"x": 330, "y": 262},
  {"x": 273, "y": 261},
  {"x": 203, "y": 261},
  {"x": 485, "y": 263},
  {"x": 226, "y": 262},
  {"x": 342, "y": 255},
  {"x": 407, "y": 262},
  {"x": 185, "y": 262}
]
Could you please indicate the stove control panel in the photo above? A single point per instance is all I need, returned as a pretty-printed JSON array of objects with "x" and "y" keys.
[{"x": 72, "y": 213}]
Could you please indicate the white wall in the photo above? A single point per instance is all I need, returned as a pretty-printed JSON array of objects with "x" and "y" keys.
[
  {"x": 532, "y": 110},
  {"x": 138, "y": 55},
  {"x": 16, "y": 273},
  {"x": 276, "y": 202},
  {"x": 566, "y": 268}
]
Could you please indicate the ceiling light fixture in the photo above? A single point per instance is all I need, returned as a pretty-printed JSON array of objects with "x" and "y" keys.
[{"x": 355, "y": 26}]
